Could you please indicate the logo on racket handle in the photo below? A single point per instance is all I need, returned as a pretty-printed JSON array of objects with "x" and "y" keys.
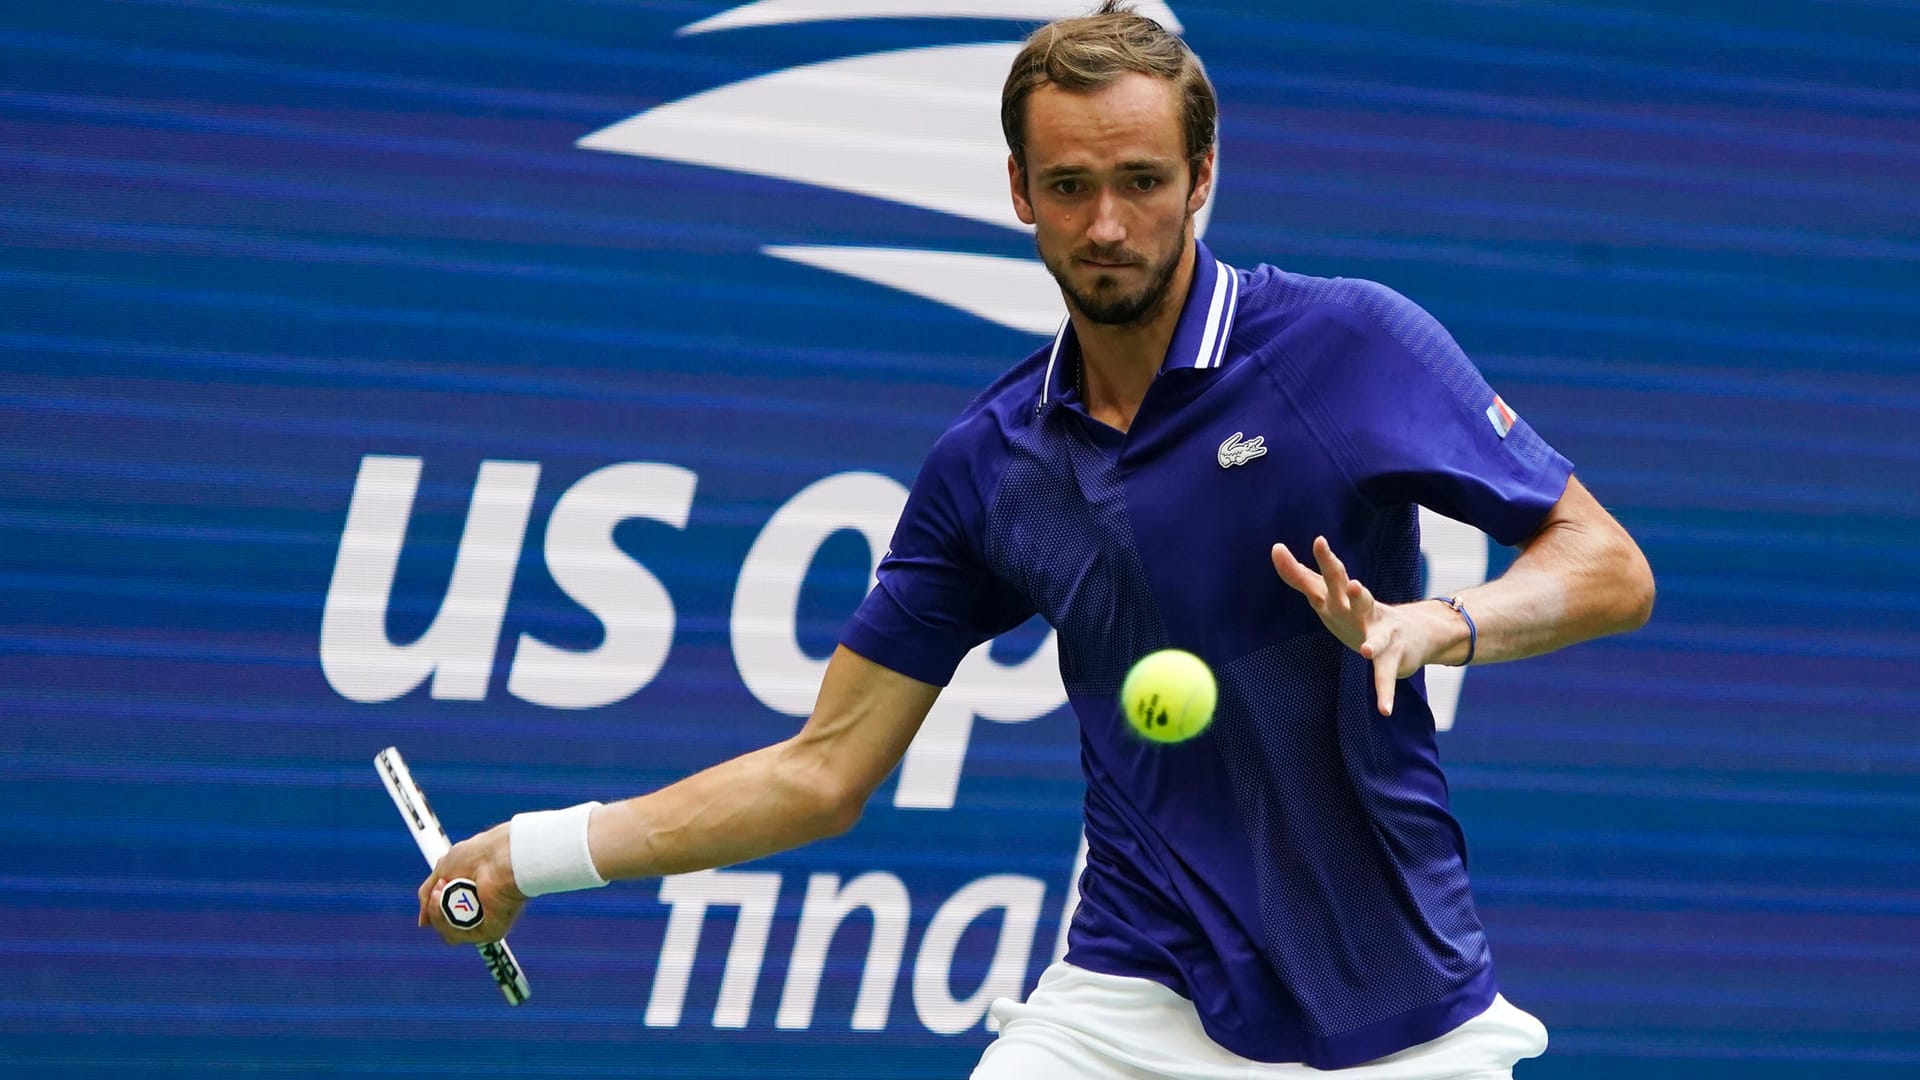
[{"x": 460, "y": 903}]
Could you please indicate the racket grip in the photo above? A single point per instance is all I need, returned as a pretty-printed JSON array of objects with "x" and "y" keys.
[{"x": 460, "y": 903}]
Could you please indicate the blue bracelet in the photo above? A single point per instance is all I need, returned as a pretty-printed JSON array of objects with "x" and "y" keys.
[{"x": 1473, "y": 632}]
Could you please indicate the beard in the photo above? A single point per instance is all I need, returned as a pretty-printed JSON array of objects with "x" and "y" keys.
[{"x": 1106, "y": 304}]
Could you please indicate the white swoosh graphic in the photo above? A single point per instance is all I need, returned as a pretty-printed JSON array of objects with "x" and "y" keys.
[
  {"x": 1016, "y": 293},
  {"x": 778, "y": 12},
  {"x": 916, "y": 126}
]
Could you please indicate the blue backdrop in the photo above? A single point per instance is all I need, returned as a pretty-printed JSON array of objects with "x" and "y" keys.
[{"x": 631, "y": 293}]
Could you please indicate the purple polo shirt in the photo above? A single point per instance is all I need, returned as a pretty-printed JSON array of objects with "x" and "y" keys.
[{"x": 1294, "y": 870}]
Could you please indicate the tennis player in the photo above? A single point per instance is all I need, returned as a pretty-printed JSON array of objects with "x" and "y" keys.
[{"x": 1225, "y": 460}]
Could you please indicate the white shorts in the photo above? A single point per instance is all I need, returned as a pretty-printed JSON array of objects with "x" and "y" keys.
[{"x": 1083, "y": 1025}]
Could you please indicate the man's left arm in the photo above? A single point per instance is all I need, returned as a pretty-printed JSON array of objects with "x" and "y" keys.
[{"x": 1578, "y": 577}]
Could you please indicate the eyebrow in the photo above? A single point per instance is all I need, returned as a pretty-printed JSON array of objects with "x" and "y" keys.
[{"x": 1136, "y": 165}]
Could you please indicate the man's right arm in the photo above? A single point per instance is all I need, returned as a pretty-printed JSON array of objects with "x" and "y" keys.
[{"x": 805, "y": 788}]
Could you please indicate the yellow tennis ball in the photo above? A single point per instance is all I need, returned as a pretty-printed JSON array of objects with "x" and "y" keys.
[{"x": 1169, "y": 696}]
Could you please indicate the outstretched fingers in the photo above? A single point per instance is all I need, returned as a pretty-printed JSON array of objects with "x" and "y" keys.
[
  {"x": 1386, "y": 676},
  {"x": 1349, "y": 610},
  {"x": 1360, "y": 603},
  {"x": 1301, "y": 578},
  {"x": 1331, "y": 568}
]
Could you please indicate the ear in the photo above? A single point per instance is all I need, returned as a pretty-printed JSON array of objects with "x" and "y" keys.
[
  {"x": 1017, "y": 184},
  {"x": 1202, "y": 184}
]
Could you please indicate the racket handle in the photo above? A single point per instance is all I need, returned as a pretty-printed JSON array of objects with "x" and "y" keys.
[
  {"x": 506, "y": 971},
  {"x": 460, "y": 903},
  {"x": 460, "y": 898}
]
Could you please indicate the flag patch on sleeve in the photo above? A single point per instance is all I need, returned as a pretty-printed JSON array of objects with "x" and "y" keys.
[{"x": 1500, "y": 416}]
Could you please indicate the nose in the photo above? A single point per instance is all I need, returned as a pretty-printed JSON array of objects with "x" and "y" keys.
[{"x": 1106, "y": 229}]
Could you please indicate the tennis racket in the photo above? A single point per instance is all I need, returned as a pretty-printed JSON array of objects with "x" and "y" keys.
[{"x": 460, "y": 900}]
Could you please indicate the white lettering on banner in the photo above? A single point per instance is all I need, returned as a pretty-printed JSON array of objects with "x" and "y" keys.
[
  {"x": 983, "y": 687},
  {"x": 828, "y": 904},
  {"x": 363, "y": 664},
  {"x": 754, "y": 893},
  {"x": 1456, "y": 557},
  {"x": 766, "y": 645},
  {"x": 457, "y": 650},
  {"x": 627, "y": 599},
  {"x": 766, "y": 602},
  {"x": 360, "y": 661},
  {"x": 1019, "y": 898},
  {"x": 826, "y": 907}
]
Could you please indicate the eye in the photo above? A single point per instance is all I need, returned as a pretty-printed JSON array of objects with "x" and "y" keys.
[
  {"x": 1145, "y": 183},
  {"x": 1067, "y": 187}
]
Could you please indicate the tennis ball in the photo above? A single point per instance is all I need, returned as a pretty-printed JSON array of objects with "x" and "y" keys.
[{"x": 1169, "y": 696}]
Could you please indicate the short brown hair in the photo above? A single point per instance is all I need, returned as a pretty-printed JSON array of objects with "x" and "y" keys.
[{"x": 1085, "y": 54}]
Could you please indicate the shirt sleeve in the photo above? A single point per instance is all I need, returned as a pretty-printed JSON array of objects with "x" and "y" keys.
[
  {"x": 935, "y": 598},
  {"x": 1413, "y": 421}
]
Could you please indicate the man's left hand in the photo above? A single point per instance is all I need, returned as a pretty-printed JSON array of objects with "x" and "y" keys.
[{"x": 1400, "y": 639}]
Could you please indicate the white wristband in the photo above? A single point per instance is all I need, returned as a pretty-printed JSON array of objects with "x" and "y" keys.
[{"x": 549, "y": 851}]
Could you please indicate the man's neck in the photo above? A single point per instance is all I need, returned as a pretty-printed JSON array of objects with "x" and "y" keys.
[{"x": 1118, "y": 363}]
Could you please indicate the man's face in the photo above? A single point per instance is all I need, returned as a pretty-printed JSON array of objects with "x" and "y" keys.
[{"x": 1106, "y": 188}]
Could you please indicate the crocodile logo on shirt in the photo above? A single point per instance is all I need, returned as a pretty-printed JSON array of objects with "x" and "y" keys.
[{"x": 1234, "y": 452}]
